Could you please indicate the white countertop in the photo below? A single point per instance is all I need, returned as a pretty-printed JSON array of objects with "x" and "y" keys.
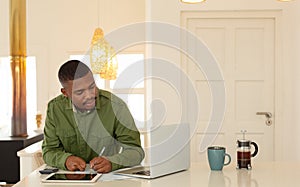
[{"x": 262, "y": 174}]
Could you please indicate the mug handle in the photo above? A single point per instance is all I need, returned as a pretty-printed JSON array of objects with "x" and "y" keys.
[
  {"x": 256, "y": 149},
  {"x": 229, "y": 159}
]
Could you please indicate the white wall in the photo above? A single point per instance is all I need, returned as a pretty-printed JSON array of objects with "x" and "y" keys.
[{"x": 289, "y": 136}]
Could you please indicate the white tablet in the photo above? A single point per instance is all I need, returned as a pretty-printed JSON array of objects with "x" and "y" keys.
[{"x": 82, "y": 177}]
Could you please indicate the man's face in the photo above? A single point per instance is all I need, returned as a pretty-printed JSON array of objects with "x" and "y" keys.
[{"x": 82, "y": 92}]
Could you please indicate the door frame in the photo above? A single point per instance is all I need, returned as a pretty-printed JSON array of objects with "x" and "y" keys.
[{"x": 278, "y": 117}]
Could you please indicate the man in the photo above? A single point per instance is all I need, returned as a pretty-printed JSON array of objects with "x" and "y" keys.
[{"x": 88, "y": 125}]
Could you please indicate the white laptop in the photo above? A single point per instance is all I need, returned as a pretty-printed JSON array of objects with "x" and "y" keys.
[{"x": 169, "y": 152}]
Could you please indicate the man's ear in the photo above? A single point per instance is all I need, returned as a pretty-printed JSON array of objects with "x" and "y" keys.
[{"x": 64, "y": 92}]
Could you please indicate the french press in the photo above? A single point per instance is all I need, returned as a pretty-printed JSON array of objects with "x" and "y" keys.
[{"x": 244, "y": 152}]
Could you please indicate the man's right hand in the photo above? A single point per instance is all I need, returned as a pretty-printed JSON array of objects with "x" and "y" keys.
[{"x": 74, "y": 163}]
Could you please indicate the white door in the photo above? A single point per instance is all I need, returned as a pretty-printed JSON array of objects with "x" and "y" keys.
[{"x": 244, "y": 49}]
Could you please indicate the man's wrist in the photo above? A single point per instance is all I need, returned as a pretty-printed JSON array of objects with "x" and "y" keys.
[{"x": 66, "y": 159}]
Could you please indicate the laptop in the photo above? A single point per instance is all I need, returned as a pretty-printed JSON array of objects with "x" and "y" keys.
[{"x": 169, "y": 152}]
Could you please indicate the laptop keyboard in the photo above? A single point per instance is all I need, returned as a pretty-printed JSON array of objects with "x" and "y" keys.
[{"x": 145, "y": 172}]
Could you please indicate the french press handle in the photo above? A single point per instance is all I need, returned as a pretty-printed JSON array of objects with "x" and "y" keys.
[{"x": 256, "y": 149}]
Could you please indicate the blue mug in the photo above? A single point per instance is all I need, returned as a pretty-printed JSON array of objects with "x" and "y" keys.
[{"x": 216, "y": 157}]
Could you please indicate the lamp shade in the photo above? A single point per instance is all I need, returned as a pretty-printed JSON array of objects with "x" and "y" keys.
[{"x": 103, "y": 57}]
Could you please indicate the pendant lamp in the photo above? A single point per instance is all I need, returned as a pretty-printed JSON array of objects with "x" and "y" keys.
[
  {"x": 192, "y": 1},
  {"x": 102, "y": 56}
]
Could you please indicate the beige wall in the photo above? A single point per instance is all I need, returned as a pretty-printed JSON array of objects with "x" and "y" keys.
[{"x": 291, "y": 60}]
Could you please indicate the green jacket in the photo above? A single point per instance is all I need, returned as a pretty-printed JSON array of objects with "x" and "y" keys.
[{"x": 109, "y": 128}]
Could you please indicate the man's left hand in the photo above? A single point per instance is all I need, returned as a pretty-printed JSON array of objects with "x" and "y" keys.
[{"x": 101, "y": 165}]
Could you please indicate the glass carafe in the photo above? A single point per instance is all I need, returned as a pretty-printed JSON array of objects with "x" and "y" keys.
[{"x": 244, "y": 153}]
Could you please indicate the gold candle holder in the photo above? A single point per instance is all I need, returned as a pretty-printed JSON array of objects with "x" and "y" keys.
[{"x": 38, "y": 118}]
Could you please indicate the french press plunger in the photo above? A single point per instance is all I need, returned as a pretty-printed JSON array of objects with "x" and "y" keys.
[{"x": 244, "y": 152}]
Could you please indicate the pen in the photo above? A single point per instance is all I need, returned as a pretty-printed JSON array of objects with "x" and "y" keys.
[
  {"x": 102, "y": 151},
  {"x": 100, "y": 154}
]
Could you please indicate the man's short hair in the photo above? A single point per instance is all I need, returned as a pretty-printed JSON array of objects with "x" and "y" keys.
[{"x": 71, "y": 70}]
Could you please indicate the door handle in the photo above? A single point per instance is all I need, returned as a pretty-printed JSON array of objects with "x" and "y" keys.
[{"x": 268, "y": 116}]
